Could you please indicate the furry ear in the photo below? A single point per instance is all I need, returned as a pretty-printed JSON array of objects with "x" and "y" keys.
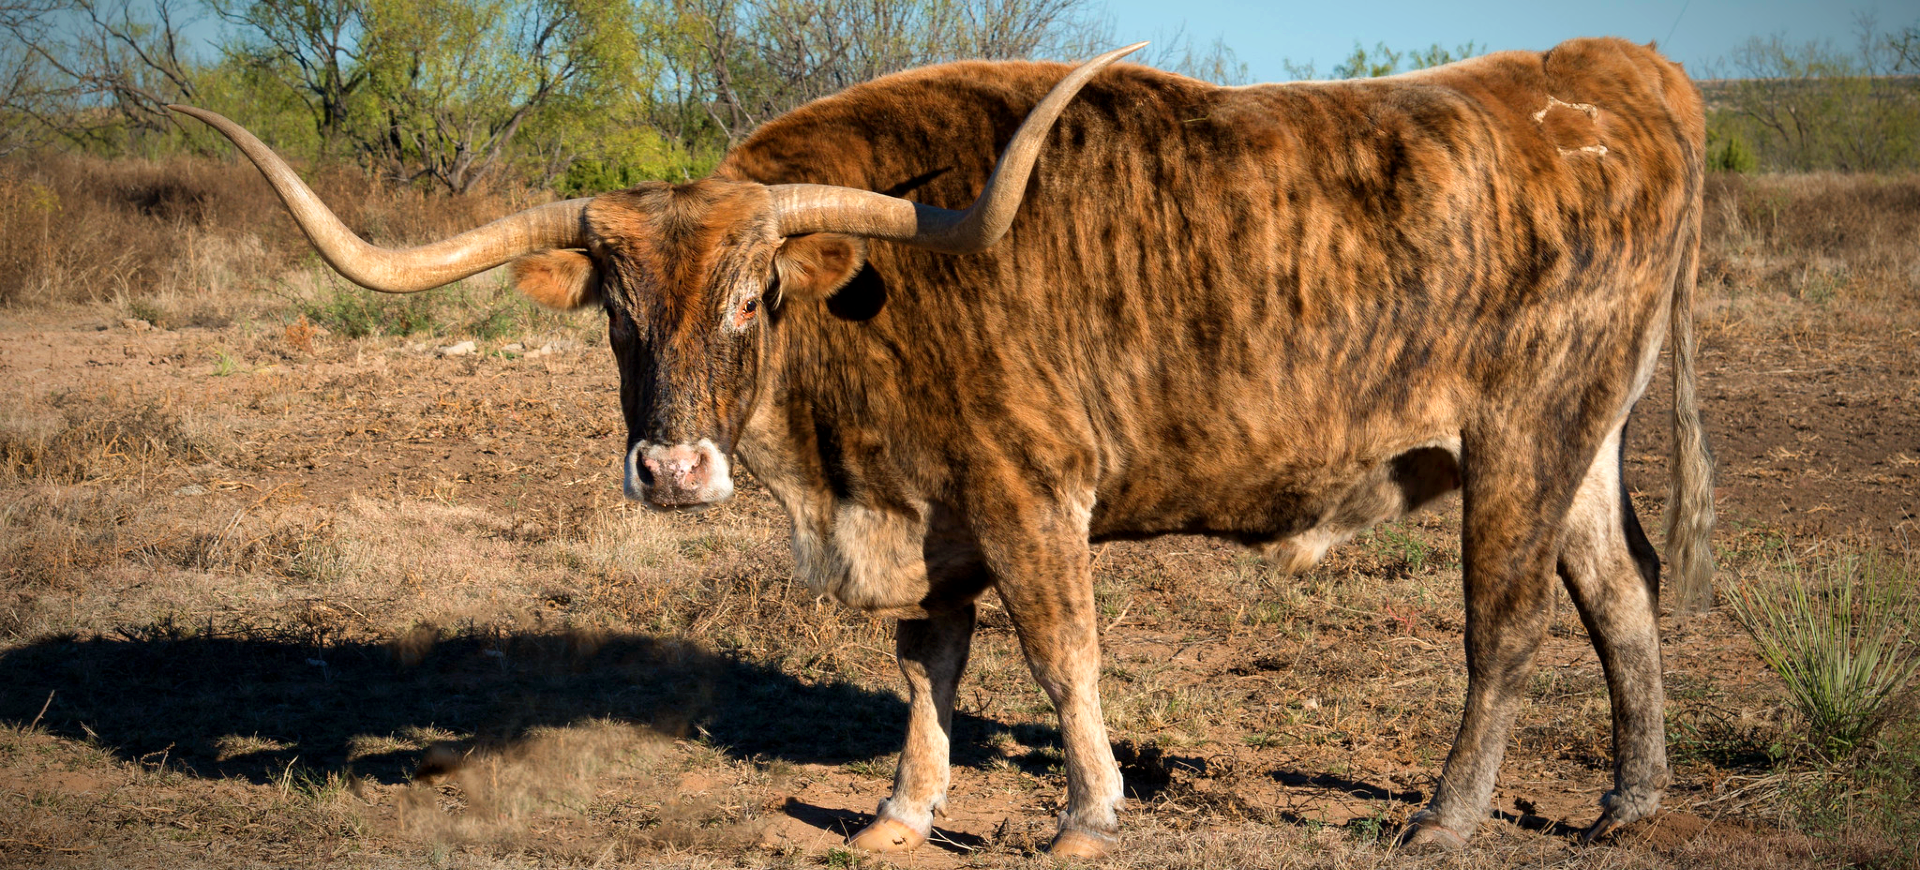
[
  {"x": 557, "y": 279},
  {"x": 814, "y": 265}
]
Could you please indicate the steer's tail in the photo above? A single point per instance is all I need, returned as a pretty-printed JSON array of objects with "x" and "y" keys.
[{"x": 1690, "y": 501}]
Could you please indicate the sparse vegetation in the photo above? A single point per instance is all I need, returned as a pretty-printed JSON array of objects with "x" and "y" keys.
[
  {"x": 1783, "y": 105},
  {"x": 464, "y": 96},
  {"x": 1838, "y": 633},
  {"x": 185, "y": 241}
]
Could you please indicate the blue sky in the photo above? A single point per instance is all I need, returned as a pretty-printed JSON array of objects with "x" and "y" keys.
[{"x": 1263, "y": 33}]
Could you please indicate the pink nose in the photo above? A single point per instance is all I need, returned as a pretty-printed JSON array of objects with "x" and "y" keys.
[
  {"x": 679, "y": 469},
  {"x": 678, "y": 475}
]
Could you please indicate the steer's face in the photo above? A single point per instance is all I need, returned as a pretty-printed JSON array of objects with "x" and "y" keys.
[{"x": 690, "y": 277}]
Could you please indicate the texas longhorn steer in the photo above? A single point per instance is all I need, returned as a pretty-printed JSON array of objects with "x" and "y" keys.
[{"x": 1278, "y": 314}]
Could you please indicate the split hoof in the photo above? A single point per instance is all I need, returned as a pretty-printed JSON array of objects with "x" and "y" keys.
[
  {"x": 1622, "y": 809},
  {"x": 887, "y": 835},
  {"x": 1599, "y": 830},
  {"x": 1609, "y": 823},
  {"x": 1078, "y": 845},
  {"x": 1429, "y": 836}
]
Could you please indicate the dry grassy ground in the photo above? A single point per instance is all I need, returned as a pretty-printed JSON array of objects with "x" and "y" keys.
[{"x": 273, "y": 595}]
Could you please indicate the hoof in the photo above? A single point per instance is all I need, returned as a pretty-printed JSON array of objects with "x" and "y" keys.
[
  {"x": 1080, "y": 845},
  {"x": 1430, "y": 836},
  {"x": 1601, "y": 829},
  {"x": 887, "y": 835},
  {"x": 1608, "y": 824},
  {"x": 1621, "y": 811}
]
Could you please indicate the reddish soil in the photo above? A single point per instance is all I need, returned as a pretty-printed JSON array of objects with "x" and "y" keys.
[{"x": 1808, "y": 447}]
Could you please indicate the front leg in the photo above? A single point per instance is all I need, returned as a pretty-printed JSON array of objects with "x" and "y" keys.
[
  {"x": 1042, "y": 571},
  {"x": 932, "y": 654}
]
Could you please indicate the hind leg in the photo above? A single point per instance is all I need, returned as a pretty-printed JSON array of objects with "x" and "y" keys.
[
  {"x": 1510, "y": 533},
  {"x": 1611, "y": 572}
]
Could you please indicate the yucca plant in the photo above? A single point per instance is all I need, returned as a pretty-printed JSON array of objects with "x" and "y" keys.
[{"x": 1840, "y": 635}]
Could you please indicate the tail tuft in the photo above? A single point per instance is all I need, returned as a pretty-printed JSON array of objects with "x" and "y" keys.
[{"x": 1690, "y": 501}]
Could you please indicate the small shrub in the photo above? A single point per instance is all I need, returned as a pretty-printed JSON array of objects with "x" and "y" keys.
[
  {"x": 1839, "y": 636},
  {"x": 321, "y": 561},
  {"x": 354, "y": 313},
  {"x": 142, "y": 308},
  {"x": 1731, "y": 154},
  {"x": 497, "y": 321}
]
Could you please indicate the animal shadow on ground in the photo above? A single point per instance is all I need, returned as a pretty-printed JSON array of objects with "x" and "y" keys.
[
  {"x": 1354, "y": 795},
  {"x": 1348, "y": 787},
  {"x": 250, "y": 707}
]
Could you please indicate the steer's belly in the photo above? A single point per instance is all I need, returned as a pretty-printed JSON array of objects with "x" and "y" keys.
[{"x": 1293, "y": 517}]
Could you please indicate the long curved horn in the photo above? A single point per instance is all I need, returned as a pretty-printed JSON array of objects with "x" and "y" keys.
[
  {"x": 823, "y": 208},
  {"x": 555, "y": 225}
]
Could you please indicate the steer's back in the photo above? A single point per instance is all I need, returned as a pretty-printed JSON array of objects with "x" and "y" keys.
[{"x": 1222, "y": 307}]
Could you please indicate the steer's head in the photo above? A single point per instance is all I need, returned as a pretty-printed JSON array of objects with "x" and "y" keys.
[{"x": 687, "y": 275}]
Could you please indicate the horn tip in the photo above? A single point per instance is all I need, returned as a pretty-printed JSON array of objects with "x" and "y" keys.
[{"x": 1116, "y": 54}]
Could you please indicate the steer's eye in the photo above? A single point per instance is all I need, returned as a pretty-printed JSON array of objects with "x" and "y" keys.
[{"x": 746, "y": 312}]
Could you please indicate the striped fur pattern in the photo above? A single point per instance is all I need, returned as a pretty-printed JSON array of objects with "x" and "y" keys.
[{"x": 1278, "y": 314}]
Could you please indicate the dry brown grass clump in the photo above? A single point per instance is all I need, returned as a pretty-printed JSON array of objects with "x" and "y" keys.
[
  {"x": 1824, "y": 258},
  {"x": 183, "y": 231},
  {"x": 75, "y": 438},
  {"x": 1866, "y": 222},
  {"x": 499, "y": 796}
]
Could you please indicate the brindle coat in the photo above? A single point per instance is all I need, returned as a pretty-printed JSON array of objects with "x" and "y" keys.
[{"x": 1278, "y": 314}]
